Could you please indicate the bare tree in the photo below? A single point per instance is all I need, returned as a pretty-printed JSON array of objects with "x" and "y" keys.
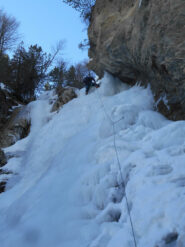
[
  {"x": 56, "y": 51},
  {"x": 84, "y": 45},
  {"x": 83, "y": 6},
  {"x": 8, "y": 32}
]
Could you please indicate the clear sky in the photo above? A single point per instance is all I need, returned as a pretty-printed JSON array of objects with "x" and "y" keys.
[{"x": 45, "y": 22}]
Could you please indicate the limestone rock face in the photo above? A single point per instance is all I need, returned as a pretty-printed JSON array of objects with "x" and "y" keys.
[
  {"x": 3, "y": 159},
  {"x": 142, "y": 40},
  {"x": 64, "y": 96},
  {"x": 14, "y": 118},
  {"x": 7, "y": 101},
  {"x": 16, "y": 128}
]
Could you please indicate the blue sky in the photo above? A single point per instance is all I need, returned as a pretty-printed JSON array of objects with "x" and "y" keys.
[{"x": 45, "y": 22}]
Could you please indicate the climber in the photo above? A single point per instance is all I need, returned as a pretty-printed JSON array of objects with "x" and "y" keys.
[{"x": 89, "y": 82}]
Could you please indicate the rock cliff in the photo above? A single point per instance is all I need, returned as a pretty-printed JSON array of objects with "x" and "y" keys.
[
  {"x": 64, "y": 96},
  {"x": 14, "y": 118},
  {"x": 16, "y": 128},
  {"x": 7, "y": 102},
  {"x": 142, "y": 40},
  {"x": 14, "y": 125}
]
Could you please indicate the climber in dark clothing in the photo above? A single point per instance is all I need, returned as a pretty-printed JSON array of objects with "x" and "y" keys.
[{"x": 89, "y": 82}]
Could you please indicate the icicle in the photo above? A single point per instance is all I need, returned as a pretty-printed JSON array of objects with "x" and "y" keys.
[{"x": 140, "y": 2}]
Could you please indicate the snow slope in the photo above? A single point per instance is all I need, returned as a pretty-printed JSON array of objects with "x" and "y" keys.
[{"x": 67, "y": 189}]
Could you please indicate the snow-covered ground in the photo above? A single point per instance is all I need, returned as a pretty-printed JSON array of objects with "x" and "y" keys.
[{"x": 66, "y": 188}]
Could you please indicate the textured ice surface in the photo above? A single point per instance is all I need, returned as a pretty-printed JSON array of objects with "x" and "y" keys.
[{"x": 66, "y": 190}]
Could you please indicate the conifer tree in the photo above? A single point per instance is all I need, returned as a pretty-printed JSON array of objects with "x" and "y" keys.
[
  {"x": 28, "y": 70},
  {"x": 57, "y": 74}
]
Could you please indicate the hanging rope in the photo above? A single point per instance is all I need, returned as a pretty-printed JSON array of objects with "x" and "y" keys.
[{"x": 119, "y": 165}]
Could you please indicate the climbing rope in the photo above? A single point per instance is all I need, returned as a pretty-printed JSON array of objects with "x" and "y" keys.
[{"x": 119, "y": 164}]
